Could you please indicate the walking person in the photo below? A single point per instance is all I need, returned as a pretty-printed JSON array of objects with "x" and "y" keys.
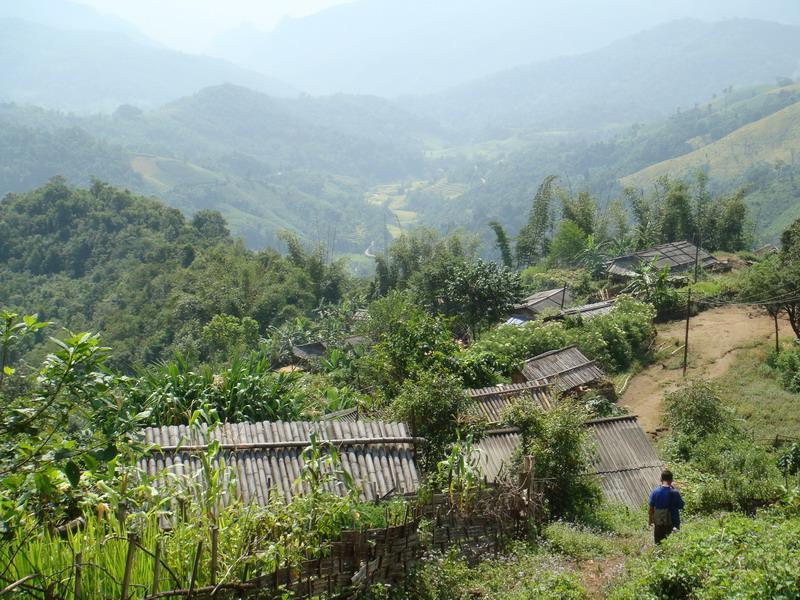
[{"x": 665, "y": 505}]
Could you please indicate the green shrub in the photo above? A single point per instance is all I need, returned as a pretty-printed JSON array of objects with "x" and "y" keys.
[
  {"x": 696, "y": 411},
  {"x": 524, "y": 573},
  {"x": 432, "y": 404},
  {"x": 729, "y": 472},
  {"x": 558, "y": 441},
  {"x": 715, "y": 558},
  {"x": 787, "y": 363},
  {"x": 615, "y": 340},
  {"x": 720, "y": 468}
]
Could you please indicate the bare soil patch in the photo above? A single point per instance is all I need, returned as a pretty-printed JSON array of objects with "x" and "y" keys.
[{"x": 716, "y": 337}]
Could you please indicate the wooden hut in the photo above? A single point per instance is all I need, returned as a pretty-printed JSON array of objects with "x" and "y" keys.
[
  {"x": 266, "y": 458},
  {"x": 624, "y": 461},
  {"x": 678, "y": 257},
  {"x": 567, "y": 370},
  {"x": 538, "y": 303}
]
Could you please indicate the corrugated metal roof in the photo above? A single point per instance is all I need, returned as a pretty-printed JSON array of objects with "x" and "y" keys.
[
  {"x": 565, "y": 369},
  {"x": 493, "y": 401},
  {"x": 624, "y": 460},
  {"x": 678, "y": 256},
  {"x": 348, "y": 414},
  {"x": 549, "y": 299},
  {"x": 517, "y": 320},
  {"x": 589, "y": 311},
  {"x": 316, "y": 350},
  {"x": 266, "y": 457},
  {"x": 309, "y": 352},
  {"x": 497, "y": 450}
]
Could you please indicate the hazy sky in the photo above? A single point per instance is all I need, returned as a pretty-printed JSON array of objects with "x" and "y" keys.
[{"x": 191, "y": 24}]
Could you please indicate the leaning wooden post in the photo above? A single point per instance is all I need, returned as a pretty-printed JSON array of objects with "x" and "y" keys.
[
  {"x": 126, "y": 577},
  {"x": 777, "y": 343},
  {"x": 686, "y": 337},
  {"x": 195, "y": 565},
  {"x": 156, "y": 568},
  {"x": 214, "y": 549},
  {"x": 78, "y": 560}
]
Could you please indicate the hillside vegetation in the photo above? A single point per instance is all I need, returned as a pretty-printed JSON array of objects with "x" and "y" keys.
[
  {"x": 144, "y": 275},
  {"x": 773, "y": 140},
  {"x": 266, "y": 163},
  {"x": 200, "y": 331}
]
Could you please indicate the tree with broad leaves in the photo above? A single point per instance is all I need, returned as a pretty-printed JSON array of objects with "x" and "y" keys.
[{"x": 475, "y": 292}]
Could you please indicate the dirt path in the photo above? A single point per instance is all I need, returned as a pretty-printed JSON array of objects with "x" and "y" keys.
[{"x": 715, "y": 338}]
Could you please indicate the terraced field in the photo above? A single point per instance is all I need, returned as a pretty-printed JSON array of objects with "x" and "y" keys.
[{"x": 394, "y": 197}]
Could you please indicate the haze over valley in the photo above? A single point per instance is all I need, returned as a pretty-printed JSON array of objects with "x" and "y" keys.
[{"x": 399, "y": 299}]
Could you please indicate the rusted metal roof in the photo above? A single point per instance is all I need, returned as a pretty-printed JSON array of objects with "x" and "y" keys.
[
  {"x": 565, "y": 369},
  {"x": 677, "y": 256},
  {"x": 266, "y": 458},
  {"x": 624, "y": 461},
  {"x": 493, "y": 401}
]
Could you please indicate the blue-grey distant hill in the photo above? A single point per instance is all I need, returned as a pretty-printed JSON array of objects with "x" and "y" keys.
[
  {"x": 63, "y": 14},
  {"x": 393, "y": 47},
  {"x": 643, "y": 77},
  {"x": 89, "y": 70}
]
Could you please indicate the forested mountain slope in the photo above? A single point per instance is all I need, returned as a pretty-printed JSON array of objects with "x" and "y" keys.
[
  {"x": 266, "y": 163},
  {"x": 505, "y": 183},
  {"x": 773, "y": 139},
  {"x": 141, "y": 273}
]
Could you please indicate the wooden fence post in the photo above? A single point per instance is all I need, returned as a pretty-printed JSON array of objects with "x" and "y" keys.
[
  {"x": 214, "y": 549},
  {"x": 195, "y": 565},
  {"x": 126, "y": 577},
  {"x": 156, "y": 568},
  {"x": 77, "y": 592}
]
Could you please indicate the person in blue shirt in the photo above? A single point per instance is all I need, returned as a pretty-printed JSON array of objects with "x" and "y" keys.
[{"x": 665, "y": 505}]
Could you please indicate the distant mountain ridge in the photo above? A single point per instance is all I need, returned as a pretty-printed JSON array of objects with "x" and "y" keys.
[
  {"x": 63, "y": 14},
  {"x": 641, "y": 78},
  {"x": 412, "y": 47},
  {"x": 87, "y": 71}
]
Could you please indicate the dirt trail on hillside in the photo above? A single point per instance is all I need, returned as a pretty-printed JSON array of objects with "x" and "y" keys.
[{"x": 715, "y": 339}]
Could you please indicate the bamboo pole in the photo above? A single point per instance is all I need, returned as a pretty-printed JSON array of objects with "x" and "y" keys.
[
  {"x": 156, "y": 567},
  {"x": 686, "y": 337},
  {"x": 195, "y": 565},
  {"x": 214, "y": 550},
  {"x": 126, "y": 577},
  {"x": 77, "y": 589}
]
